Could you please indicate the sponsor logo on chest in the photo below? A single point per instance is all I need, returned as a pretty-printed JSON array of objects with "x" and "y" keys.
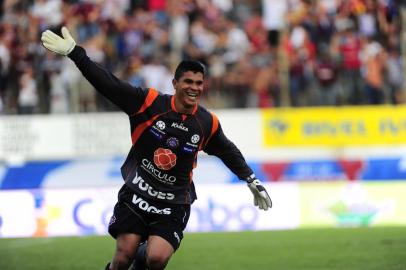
[
  {"x": 179, "y": 126},
  {"x": 192, "y": 146}
]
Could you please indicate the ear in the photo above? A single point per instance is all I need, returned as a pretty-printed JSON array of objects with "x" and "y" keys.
[{"x": 174, "y": 82}]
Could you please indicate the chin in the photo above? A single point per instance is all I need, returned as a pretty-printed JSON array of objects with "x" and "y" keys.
[{"x": 190, "y": 103}]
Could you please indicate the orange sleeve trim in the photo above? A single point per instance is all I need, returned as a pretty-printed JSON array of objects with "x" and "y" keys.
[
  {"x": 141, "y": 128},
  {"x": 215, "y": 124},
  {"x": 214, "y": 127},
  {"x": 151, "y": 96}
]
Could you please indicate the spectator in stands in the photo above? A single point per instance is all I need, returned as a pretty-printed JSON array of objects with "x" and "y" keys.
[
  {"x": 178, "y": 28},
  {"x": 59, "y": 99},
  {"x": 156, "y": 74},
  {"x": 326, "y": 73},
  {"x": 274, "y": 19},
  {"x": 5, "y": 58},
  {"x": 375, "y": 58},
  {"x": 394, "y": 68},
  {"x": 301, "y": 53},
  {"x": 347, "y": 47},
  {"x": 266, "y": 85},
  {"x": 28, "y": 94},
  {"x": 132, "y": 73},
  {"x": 325, "y": 22},
  {"x": 47, "y": 12}
]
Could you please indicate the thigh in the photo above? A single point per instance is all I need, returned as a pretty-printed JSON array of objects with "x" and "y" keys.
[
  {"x": 127, "y": 244},
  {"x": 171, "y": 228},
  {"x": 126, "y": 220},
  {"x": 126, "y": 248},
  {"x": 159, "y": 247}
]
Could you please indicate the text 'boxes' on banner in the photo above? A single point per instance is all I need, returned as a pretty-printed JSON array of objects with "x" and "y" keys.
[{"x": 345, "y": 126}]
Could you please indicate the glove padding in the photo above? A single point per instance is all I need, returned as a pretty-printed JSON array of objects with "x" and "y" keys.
[
  {"x": 57, "y": 44},
  {"x": 261, "y": 197}
]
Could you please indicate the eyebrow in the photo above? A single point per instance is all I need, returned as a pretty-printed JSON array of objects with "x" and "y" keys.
[{"x": 188, "y": 80}]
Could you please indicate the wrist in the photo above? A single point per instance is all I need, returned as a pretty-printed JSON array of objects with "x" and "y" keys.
[
  {"x": 251, "y": 178},
  {"x": 73, "y": 45}
]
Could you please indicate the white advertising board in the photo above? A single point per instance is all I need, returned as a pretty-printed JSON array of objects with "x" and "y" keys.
[
  {"x": 50, "y": 137},
  {"x": 63, "y": 136},
  {"x": 59, "y": 212},
  {"x": 47, "y": 137},
  {"x": 220, "y": 207}
]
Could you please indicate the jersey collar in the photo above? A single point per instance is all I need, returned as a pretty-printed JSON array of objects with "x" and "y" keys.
[{"x": 174, "y": 108}]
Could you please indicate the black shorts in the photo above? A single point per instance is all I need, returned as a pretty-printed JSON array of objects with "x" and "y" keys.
[{"x": 134, "y": 214}]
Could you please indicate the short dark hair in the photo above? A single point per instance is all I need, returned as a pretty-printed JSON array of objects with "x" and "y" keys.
[{"x": 189, "y": 65}]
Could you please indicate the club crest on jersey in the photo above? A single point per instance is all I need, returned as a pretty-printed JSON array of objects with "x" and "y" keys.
[
  {"x": 179, "y": 126},
  {"x": 164, "y": 159},
  {"x": 172, "y": 142}
]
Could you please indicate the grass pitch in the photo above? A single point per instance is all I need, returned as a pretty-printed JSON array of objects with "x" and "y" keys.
[{"x": 347, "y": 249}]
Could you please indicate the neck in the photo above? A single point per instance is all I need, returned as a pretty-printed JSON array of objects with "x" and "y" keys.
[{"x": 181, "y": 108}]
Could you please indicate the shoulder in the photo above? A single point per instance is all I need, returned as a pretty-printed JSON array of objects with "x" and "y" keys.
[
  {"x": 207, "y": 118},
  {"x": 152, "y": 94},
  {"x": 204, "y": 114},
  {"x": 152, "y": 100}
]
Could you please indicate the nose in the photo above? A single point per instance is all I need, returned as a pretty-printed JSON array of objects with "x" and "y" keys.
[{"x": 196, "y": 86}]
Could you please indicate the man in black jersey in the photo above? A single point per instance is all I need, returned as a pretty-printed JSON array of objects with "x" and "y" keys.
[{"x": 167, "y": 133}]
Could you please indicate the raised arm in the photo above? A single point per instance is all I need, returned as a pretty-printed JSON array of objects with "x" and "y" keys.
[{"x": 122, "y": 94}]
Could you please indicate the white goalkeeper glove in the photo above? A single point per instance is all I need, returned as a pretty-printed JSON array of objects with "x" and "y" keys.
[
  {"x": 261, "y": 197},
  {"x": 57, "y": 44}
]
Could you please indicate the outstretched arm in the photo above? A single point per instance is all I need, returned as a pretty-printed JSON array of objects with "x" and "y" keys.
[
  {"x": 122, "y": 94},
  {"x": 220, "y": 146}
]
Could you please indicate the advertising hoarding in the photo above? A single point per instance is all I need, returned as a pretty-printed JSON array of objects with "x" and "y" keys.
[{"x": 335, "y": 127}]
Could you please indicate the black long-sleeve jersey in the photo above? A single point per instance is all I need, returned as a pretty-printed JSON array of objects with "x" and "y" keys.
[{"x": 165, "y": 143}]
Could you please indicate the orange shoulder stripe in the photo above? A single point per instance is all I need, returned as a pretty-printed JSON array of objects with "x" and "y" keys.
[
  {"x": 141, "y": 128},
  {"x": 151, "y": 96}
]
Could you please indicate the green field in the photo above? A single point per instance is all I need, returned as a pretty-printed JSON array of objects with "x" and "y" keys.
[{"x": 381, "y": 248}]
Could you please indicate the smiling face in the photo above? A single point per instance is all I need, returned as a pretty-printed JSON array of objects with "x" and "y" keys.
[{"x": 188, "y": 89}]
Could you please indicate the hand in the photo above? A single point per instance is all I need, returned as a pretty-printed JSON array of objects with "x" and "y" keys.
[
  {"x": 261, "y": 197},
  {"x": 55, "y": 43}
]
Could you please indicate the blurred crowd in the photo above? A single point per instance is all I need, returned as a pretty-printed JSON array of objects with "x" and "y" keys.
[{"x": 259, "y": 53}]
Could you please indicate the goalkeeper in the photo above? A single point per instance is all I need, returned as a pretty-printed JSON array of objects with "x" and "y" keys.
[{"x": 167, "y": 132}]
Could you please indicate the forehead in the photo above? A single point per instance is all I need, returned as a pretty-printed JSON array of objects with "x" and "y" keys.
[{"x": 191, "y": 75}]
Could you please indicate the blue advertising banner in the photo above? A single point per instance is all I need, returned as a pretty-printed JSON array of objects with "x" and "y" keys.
[{"x": 106, "y": 172}]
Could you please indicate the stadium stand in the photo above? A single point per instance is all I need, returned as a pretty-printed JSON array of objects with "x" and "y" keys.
[{"x": 344, "y": 52}]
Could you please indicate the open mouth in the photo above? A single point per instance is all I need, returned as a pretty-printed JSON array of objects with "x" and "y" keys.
[{"x": 192, "y": 95}]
